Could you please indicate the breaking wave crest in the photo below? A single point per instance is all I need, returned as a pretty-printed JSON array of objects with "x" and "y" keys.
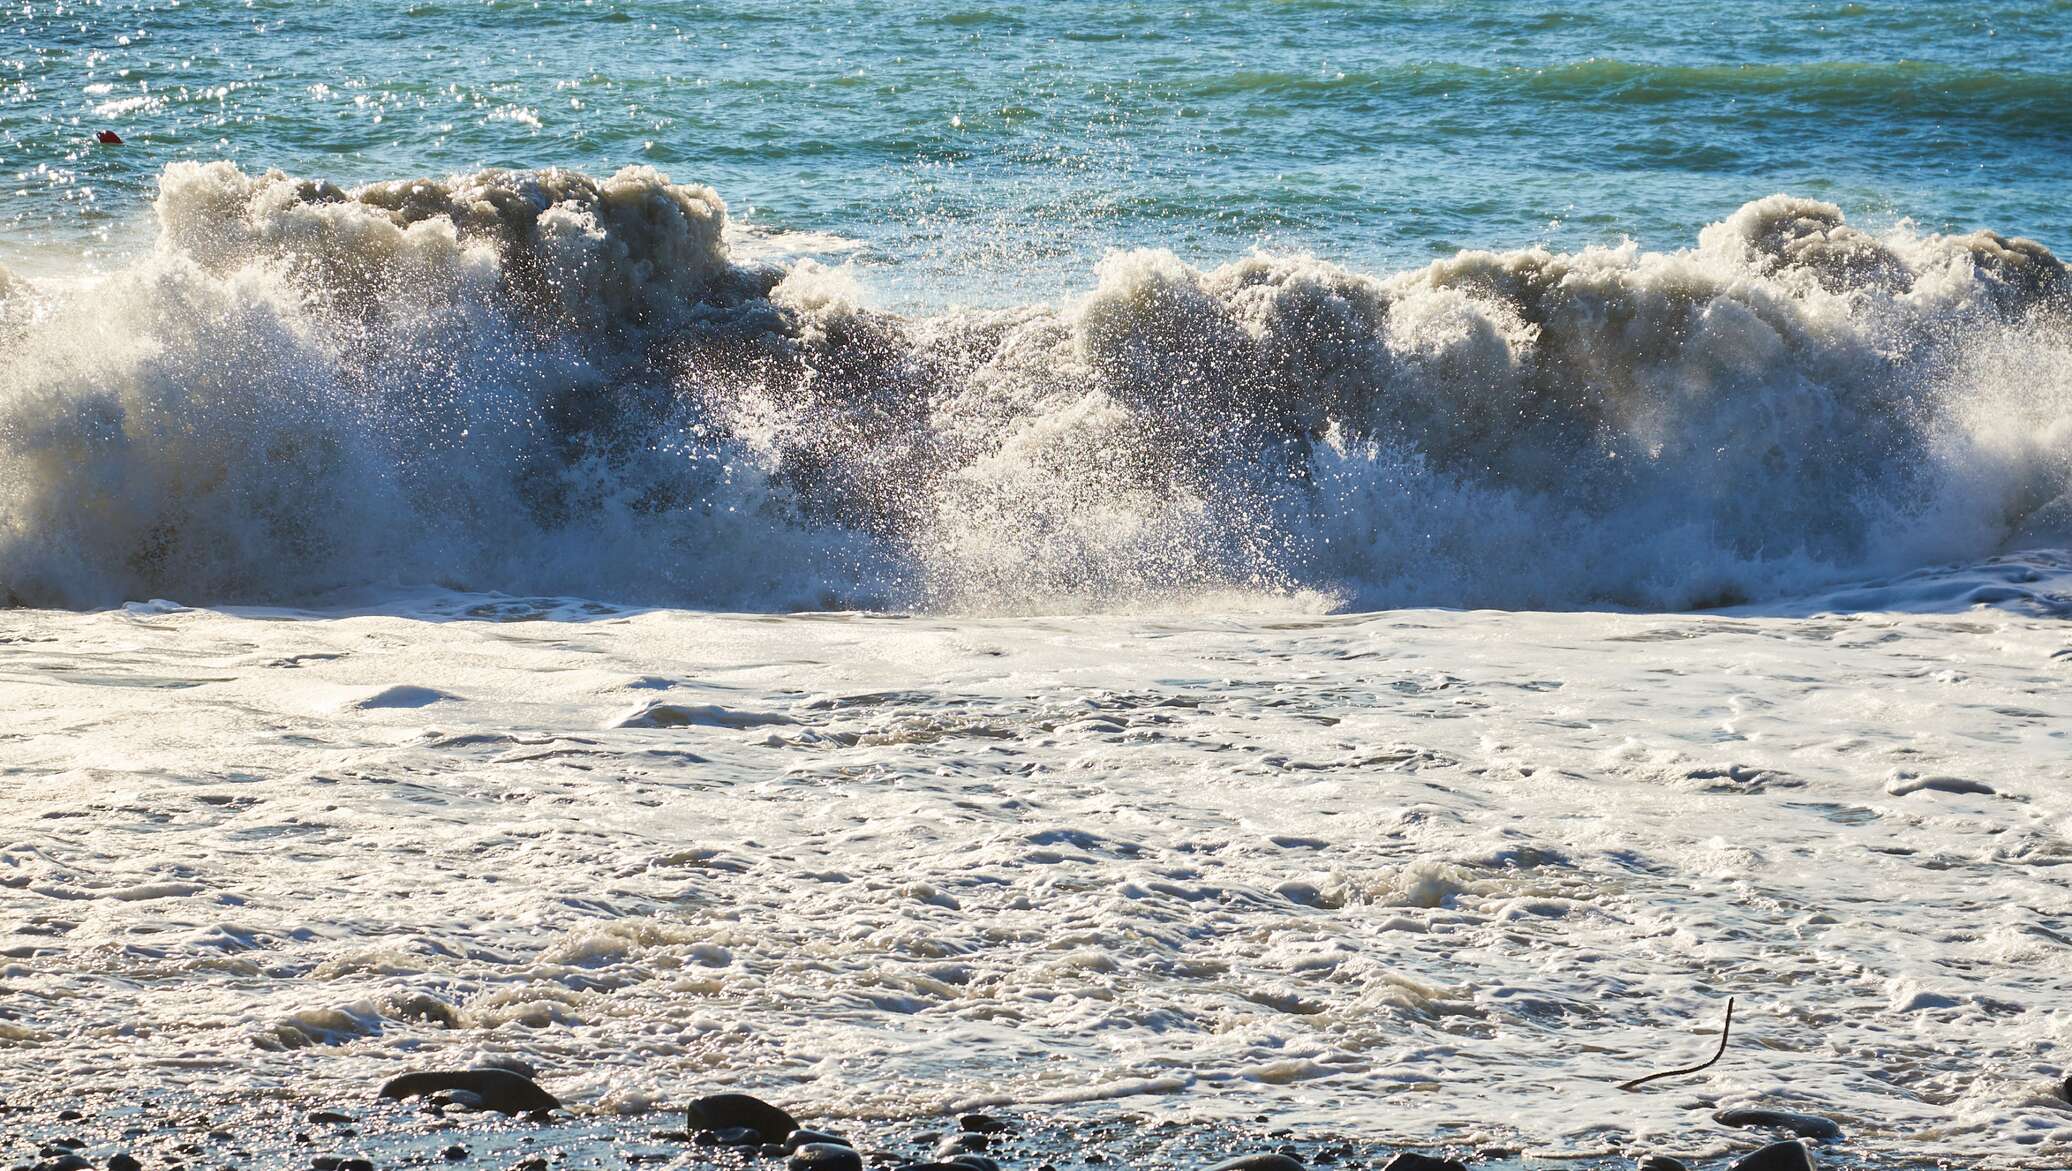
[{"x": 548, "y": 383}]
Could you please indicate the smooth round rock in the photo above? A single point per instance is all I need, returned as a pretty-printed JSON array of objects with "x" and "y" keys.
[
  {"x": 737, "y": 1136},
  {"x": 982, "y": 1124},
  {"x": 719, "y": 1112},
  {"x": 1803, "y": 1125},
  {"x": 124, "y": 1161},
  {"x": 497, "y": 1089},
  {"x": 1784, "y": 1156},
  {"x": 799, "y": 1138},
  {"x": 1258, "y": 1163},
  {"x": 1412, "y": 1161},
  {"x": 825, "y": 1157},
  {"x": 1661, "y": 1163},
  {"x": 962, "y": 1144},
  {"x": 975, "y": 1162}
]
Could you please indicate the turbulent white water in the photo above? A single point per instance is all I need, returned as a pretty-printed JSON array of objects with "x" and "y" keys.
[
  {"x": 546, "y": 383},
  {"x": 1426, "y": 876},
  {"x": 1436, "y": 875}
]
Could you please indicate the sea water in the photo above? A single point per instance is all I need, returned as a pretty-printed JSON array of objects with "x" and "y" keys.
[{"x": 1367, "y": 563}]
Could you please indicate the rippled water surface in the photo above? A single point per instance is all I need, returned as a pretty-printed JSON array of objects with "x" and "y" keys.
[{"x": 993, "y": 150}]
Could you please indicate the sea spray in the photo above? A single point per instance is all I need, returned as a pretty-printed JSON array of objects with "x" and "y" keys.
[{"x": 541, "y": 382}]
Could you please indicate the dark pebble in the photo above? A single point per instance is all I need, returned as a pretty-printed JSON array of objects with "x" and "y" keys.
[
  {"x": 1804, "y": 1125},
  {"x": 982, "y": 1124},
  {"x": 326, "y": 1162},
  {"x": 1784, "y": 1156},
  {"x": 497, "y": 1089},
  {"x": 1258, "y": 1163},
  {"x": 533, "y": 1164},
  {"x": 69, "y": 1115},
  {"x": 328, "y": 1116},
  {"x": 735, "y": 1136},
  {"x": 1661, "y": 1163},
  {"x": 825, "y": 1157},
  {"x": 1096, "y": 1157},
  {"x": 65, "y": 1161},
  {"x": 729, "y": 1111},
  {"x": 799, "y": 1138},
  {"x": 123, "y": 1161},
  {"x": 355, "y": 1165},
  {"x": 456, "y": 1153},
  {"x": 976, "y": 1162},
  {"x": 962, "y": 1144},
  {"x": 1412, "y": 1161},
  {"x": 2065, "y": 1089},
  {"x": 770, "y": 1151}
]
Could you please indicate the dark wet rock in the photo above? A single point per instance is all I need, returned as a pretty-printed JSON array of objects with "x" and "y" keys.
[
  {"x": 982, "y": 1124},
  {"x": 123, "y": 1161},
  {"x": 733, "y": 1136},
  {"x": 497, "y": 1089},
  {"x": 1803, "y": 1125},
  {"x": 733, "y": 1111},
  {"x": 64, "y": 1161},
  {"x": 355, "y": 1165},
  {"x": 1412, "y": 1161},
  {"x": 825, "y": 1157},
  {"x": 1784, "y": 1156},
  {"x": 327, "y": 1116},
  {"x": 976, "y": 1162},
  {"x": 326, "y": 1162},
  {"x": 770, "y": 1151},
  {"x": 962, "y": 1144},
  {"x": 799, "y": 1138},
  {"x": 455, "y": 1153},
  {"x": 1660, "y": 1163},
  {"x": 1258, "y": 1163},
  {"x": 2065, "y": 1089},
  {"x": 69, "y": 1116}
]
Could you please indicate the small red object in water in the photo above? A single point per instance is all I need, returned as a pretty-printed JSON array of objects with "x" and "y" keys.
[{"x": 109, "y": 137}]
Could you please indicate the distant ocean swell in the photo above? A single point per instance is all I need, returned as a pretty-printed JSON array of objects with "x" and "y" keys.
[{"x": 548, "y": 383}]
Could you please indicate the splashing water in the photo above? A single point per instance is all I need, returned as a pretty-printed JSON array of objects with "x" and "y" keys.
[{"x": 541, "y": 382}]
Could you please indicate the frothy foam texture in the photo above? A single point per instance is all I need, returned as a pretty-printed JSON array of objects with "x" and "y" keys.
[{"x": 548, "y": 383}]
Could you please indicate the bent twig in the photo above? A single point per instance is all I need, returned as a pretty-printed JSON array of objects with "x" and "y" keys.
[{"x": 1724, "y": 1029}]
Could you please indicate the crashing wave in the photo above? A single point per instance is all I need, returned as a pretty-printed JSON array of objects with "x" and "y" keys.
[{"x": 547, "y": 383}]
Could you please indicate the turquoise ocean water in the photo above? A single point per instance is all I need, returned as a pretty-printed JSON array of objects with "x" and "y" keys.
[{"x": 989, "y": 152}]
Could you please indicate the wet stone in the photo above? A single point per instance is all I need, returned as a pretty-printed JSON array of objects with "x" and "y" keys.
[
  {"x": 123, "y": 1161},
  {"x": 799, "y": 1138},
  {"x": 982, "y": 1124},
  {"x": 962, "y": 1144},
  {"x": 1272, "y": 1162},
  {"x": 327, "y": 1116},
  {"x": 1412, "y": 1161},
  {"x": 1660, "y": 1163},
  {"x": 721, "y": 1112},
  {"x": 493, "y": 1089},
  {"x": 825, "y": 1157},
  {"x": 1785, "y": 1156},
  {"x": 1803, "y": 1125},
  {"x": 456, "y": 1153}
]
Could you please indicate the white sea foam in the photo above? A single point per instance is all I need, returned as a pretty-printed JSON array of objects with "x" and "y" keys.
[
  {"x": 1429, "y": 877},
  {"x": 542, "y": 382}
]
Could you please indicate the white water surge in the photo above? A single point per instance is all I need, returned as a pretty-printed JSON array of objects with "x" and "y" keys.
[
  {"x": 1425, "y": 876},
  {"x": 544, "y": 383},
  {"x": 1435, "y": 875}
]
